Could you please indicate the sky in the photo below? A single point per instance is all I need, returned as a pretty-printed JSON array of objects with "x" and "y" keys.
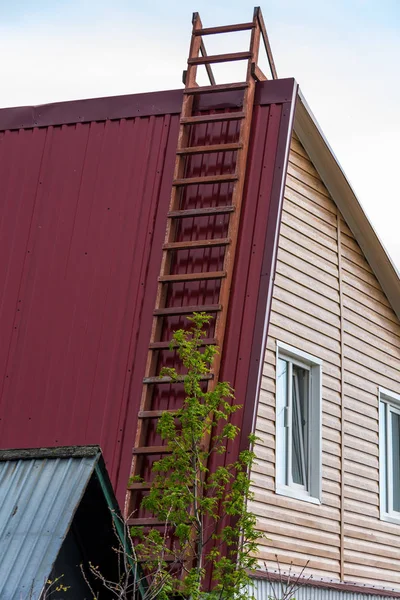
[{"x": 345, "y": 54}]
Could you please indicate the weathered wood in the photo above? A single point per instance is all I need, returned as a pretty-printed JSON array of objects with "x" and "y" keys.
[
  {"x": 192, "y": 244},
  {"x": 187, "y": 310},
  {"x": 229, "y": 177},
  {"x": 153, "y": 414},
  {"x": 257, "y": 73},
  {"x": 212, "y": 118},
  {"x": 151, "y": 450},
  {"x": 225, "y": 28},
  {"x": 210, "y": 148},
  {"x": 167, "y": 344},
  {"x": 201, "y": 212},
  {"x": 138, "y": 486},
  {"x": 192, "y": 276},
  {"x": 144, "y": 522},
  {"x": 222, "y": 87},
  {"x": 162, "y": 380},
  {"x": 219, "y": 58},
  {"x": 207, "y": 65},
  {"x": 267, "y": 46}
]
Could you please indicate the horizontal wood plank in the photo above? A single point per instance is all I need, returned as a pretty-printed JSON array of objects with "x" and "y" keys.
[{"x": 305, "y": 314}]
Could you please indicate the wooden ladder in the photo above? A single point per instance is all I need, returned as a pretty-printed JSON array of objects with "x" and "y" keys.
[{"x": 145, "y": 450}]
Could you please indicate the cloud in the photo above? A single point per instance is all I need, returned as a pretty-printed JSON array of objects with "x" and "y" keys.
[{"x": 345, "y": 56}]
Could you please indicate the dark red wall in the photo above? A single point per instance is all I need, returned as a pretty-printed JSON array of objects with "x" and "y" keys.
[{"x": 84, "y": 194}]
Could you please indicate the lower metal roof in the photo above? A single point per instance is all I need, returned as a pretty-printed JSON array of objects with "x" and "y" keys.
[
  {"x": 310, "y": 589},
  {"x": 39, "y": 493}
]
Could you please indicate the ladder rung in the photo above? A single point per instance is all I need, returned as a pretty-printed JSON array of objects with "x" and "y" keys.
[
  {"x": 153, "y": 414},
  {"x": 180, "y": 379},
  {"x": 224, "y": 29},
  {"x": 196, "y": 244},
  {"x": 145, "y": 521},
  {"x": 186, "y": 310},
  {"x": 151, "y": 450},
  {"x": 200, "y": 212},
  {"x": 206, "y": 179},
  {"x": 225, "y": 116},
  {"x": 210, "y": 148},
  {"x": 218, "y": 58},
  {"x": 139, "y": 486},
  {"x": 167, "y": 345},
  {"x": 192, "y": 276},
  {"x": 221, "y": 87}
]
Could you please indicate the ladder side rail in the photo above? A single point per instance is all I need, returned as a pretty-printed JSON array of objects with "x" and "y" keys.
[
  {"x": 236, "y": 201},
  {"x": 162, "y": 289},
  {"x": 237, "y": 194},
  {"x": 207, "y": 65},
  {"x": 267, "y": 45}
]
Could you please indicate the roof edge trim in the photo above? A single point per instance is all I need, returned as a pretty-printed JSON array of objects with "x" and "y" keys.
[
  {"x": 133, "y": 105},
  {"x": 42, "y": 453},
  {"x": 267, "y": 275}
]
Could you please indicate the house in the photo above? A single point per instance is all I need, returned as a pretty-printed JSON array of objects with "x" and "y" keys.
[
  {"x": 325, "y": 485},
  {"x": 100, "y": 262}
]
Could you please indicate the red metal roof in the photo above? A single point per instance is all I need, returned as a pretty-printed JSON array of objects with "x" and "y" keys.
[{"x": 84, "y": 197}]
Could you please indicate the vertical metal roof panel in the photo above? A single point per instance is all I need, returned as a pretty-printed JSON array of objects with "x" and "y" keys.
[
  {"x": 83, "y": 208},
  {"x": 78, "y": 208},
  {"x": 38, "y": 499}
]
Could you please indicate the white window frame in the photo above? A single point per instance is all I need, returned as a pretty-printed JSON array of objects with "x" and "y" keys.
[
  {"x": 283, "y": 477},
  {"x": 389, "y": 402}
]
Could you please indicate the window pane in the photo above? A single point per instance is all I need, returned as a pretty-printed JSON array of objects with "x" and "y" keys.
[
  {"x": 299, "y": 426},
  {"x": 396, "y": 460},
  {"x": 282, "y": 380},
  {"x": 281, "y": 440}
]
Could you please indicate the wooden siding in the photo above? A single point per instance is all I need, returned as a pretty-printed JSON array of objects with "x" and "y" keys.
[{"x": 344, "y": 319}]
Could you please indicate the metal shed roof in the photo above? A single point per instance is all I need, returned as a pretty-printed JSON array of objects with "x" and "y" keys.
[
  {"x": 264, "y": 588},
  {"x": 39, "y": 494}
]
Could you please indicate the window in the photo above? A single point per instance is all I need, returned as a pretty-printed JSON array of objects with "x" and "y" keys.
[
  {"x": 298, "y": 424},
  {"x": 389, "y": 455}
]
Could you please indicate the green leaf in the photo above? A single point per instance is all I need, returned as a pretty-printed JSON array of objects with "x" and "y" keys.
[{"x": 190, "y": 498}]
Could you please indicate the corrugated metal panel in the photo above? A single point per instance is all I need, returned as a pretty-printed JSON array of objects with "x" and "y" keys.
[
  {"x": 83, "y": 214},
  {"x": 80, "y": 228},
  {"x": 266, "y": 590},
  {"x": 38, "y": 499}
]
